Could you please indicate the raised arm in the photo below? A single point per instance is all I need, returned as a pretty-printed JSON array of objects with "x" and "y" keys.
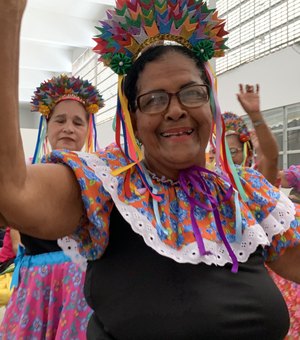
[
  {"x": 248, "y": 97},
  {"x": 41, "y": 200}
]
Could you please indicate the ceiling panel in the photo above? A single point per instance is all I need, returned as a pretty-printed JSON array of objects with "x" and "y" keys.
[{"x": 53, "y": 34}]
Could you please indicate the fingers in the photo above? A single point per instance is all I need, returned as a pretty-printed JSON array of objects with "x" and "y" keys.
[{"x": 249, "y": 88}]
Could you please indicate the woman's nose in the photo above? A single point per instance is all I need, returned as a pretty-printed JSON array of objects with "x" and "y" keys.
[
  {"x": 175, "y": 110},
  {"x": 68, "y": 128}
]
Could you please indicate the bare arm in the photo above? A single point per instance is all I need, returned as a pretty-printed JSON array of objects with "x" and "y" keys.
[
  {"x": 15, "y": 239},
  {"x": 41, "y": 200},
  {"x": 287, "y": 265},
  {"x": 250, "y": 101},
  {"x": 283, "y": 181},
  {"x": 48, "y": 204}
]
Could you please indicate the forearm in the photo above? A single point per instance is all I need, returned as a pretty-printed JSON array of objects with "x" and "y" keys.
[
  {"x": 268, "y": 148},
  {"x": 287, "y": 265},
  {"x": 266, "y": 139},
  {"x": 12, "y": 162}
]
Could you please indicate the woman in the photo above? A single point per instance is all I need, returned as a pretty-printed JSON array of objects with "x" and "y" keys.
[
  {"x": 241, "y": 149},
  {"x": 242, "y": 143},
  {"x": 174, "y": 282},
  {"x": 48, "y": 301},
  {"x": 9, "y": 249},
  {"x": 290, "y": 178}
]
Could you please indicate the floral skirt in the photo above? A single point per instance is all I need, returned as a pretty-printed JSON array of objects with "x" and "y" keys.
[
  {"x": 291, "y": 294},
  {"x": 48, "y": 302}
]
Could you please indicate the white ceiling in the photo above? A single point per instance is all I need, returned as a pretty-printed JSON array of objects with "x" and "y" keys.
[{"x": 53, "y": 34}]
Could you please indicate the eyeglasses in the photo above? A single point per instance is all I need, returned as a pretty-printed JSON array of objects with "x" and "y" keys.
[
  {"x": 156, "y": 102},
  {"x": 234, "y": 151}
]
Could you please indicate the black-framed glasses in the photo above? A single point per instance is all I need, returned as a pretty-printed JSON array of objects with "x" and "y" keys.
[
  {"x": 234, "y": 151},
  {"x": 156, "y": 102}
]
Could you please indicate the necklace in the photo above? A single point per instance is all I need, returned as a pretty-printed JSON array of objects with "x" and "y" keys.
[{"x": 162, "y": 179}]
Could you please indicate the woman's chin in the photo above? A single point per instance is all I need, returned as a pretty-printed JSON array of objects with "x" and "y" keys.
[
  {"x": 179, "y": 161},
  {"x": 185, "y": 157}
]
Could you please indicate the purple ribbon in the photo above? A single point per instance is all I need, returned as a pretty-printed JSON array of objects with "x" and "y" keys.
[{"x": 193, "y": 176}]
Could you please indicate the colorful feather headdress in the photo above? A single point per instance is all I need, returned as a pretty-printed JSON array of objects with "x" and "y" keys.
[
  {"x": 134, "y": 25},
  {"x": 235, "y": 125},
  {"x": 57, "y": 89}
]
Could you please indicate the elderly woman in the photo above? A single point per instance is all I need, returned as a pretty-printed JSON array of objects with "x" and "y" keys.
[
  {"x": 48, "y": 287},
  {"x": 173, "y": 253},
  {"x": 242, "y": 143}
]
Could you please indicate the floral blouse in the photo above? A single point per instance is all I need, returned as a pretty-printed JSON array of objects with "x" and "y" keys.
[{"x": 268, "y": 218}]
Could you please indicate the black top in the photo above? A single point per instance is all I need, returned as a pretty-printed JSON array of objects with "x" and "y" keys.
[
  {"x": 138, "y": 294},
  {"x": 35, "y": 246}
]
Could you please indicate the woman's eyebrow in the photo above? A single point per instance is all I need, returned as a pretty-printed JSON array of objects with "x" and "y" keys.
[
  {"x": 181, "y": 87},
  {"x": 78, "y": 118},
  {"x": 60, "y": 115},
  {"x": 188, "y": 84}
]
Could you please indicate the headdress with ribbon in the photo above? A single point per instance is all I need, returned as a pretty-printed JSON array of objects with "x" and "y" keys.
[
  {"x": 134, "y": 25},
  {"x": 234, "y": 125},
  {"x": 57, "y": 89}
]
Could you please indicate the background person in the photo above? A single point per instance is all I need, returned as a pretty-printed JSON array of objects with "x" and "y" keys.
[
  {"x": 243, "y": 145},
  {"x": 7, "y": 255},
  {"x": 48, "y": 300}
]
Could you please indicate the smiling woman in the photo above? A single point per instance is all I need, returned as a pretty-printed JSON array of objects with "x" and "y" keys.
[
  {"x": 174, "y": 251},
  {"x": 53, "y": 284},
  {"x": 178, "y": 132}
]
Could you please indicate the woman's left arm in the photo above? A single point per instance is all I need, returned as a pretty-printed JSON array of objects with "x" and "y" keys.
[
  {"x": 288, "y": 264},
  {"x": 249, "y": 98}
]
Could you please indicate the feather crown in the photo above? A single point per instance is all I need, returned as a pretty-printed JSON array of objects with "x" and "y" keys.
[
  {"x": 52, "y": 91},
  {"x": 235, "y": 125},
  {"x": 135, "y": 24}
]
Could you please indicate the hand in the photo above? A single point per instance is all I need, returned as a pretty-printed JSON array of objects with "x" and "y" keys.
[{"x": 249, "y": 99}]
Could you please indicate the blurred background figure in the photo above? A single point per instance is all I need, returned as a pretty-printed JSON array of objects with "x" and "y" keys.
[
  {"x": 8, "y": 253},
  {"x": 257, "y": 148},
  {"x": 290, "y": 178}
]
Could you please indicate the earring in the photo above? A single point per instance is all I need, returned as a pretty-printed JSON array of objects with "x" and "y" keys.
[{"x": 139, "y": 143}]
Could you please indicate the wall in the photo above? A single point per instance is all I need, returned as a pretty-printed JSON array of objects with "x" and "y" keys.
[
  {"x": 105, "y": 133},
  {"x": 278, "y": 75},
  {"x": 29, "y": 137}
]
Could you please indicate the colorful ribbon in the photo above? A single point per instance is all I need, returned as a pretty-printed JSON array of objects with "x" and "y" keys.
[{"x": 192, "y": 177}]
